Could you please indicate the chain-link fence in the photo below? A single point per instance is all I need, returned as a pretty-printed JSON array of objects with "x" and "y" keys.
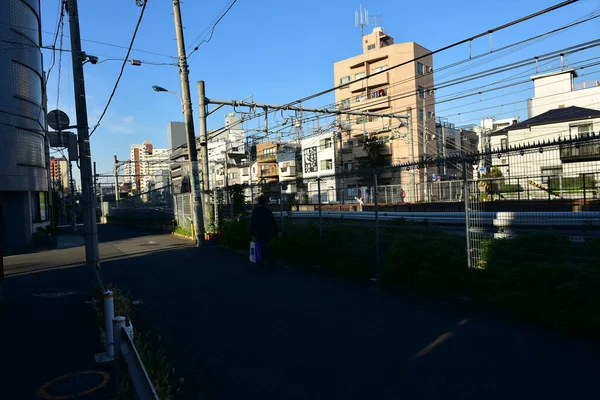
[{"x": 531, "y": 203}]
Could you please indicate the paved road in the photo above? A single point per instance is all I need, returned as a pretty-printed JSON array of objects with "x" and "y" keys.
[
  {"x": 248, "y": 334},
  {"x": 47, "y": 326}
]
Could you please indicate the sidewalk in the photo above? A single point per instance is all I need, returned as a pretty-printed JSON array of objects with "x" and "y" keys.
[{"x": 48, "y": 331}]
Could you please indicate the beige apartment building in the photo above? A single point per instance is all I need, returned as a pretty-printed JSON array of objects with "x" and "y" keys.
[{"x": 397, "y": 88}]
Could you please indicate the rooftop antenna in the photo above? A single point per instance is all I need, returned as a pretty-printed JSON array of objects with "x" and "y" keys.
[
  {"x": 377, "y": 20},
  {"x": 361, "y": 19}
]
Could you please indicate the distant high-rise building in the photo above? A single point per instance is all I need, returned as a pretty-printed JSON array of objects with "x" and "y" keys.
[
  {"x": 148, "y": 167},
  {"x": 24, "y": 200},
  {"x": 59, "y": 174},
  {"x": 176, "y": 135}
]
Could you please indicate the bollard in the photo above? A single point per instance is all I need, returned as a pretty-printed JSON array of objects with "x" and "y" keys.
[
  {"x": 118, "y": 324},
  {"x": 109, "y": 315}
]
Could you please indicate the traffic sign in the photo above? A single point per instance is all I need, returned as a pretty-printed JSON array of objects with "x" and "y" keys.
[{"x": 58, "y": 120}]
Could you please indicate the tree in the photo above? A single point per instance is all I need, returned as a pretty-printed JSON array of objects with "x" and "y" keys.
[{"x": 373, "y": 147}]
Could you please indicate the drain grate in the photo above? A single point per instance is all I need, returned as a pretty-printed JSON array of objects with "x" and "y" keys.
[{"x": 74, "y": 385}]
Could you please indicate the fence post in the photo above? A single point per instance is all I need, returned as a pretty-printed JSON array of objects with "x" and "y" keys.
[
  {"x": 281, "y": 206},
  {"x": 320, "y": 220},
  {"x": 519, "y": 189},
  {"x": 584, "y": 190},
  {"x": 109, "y": 315},
  {"x": 118, "y": 324},
  {"x": 376, "y": 200},
  {"x": 467, "y": 216}
]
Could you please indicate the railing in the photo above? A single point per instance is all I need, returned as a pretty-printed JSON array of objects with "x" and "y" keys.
[{"x": 126, "y": 354}]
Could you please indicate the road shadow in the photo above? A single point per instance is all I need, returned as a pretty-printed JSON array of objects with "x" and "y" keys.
[{"x": 290, "y": 334}]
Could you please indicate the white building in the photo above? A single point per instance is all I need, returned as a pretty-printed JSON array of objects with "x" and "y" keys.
[
  {"x": 154, "y": 169},
  {"x": 319, "y": 161},
  {"x": 555, "y": 167},
  {"x": 226, "y": 152},
  {"x": 558, "y": 90},
  {"x": 289, "y": 166}
]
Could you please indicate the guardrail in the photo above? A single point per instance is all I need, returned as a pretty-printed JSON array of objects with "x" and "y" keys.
[
  {"x": 588, "y": 221},
  {"x": 120, "y": 347},
  {"x": 126, "y": 354}
]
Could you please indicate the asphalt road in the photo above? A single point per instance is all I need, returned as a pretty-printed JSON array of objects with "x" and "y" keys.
[{"x": 235, "y": 332}]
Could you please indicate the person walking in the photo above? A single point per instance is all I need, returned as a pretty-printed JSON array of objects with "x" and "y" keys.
[{"x": 262, "y": 229}]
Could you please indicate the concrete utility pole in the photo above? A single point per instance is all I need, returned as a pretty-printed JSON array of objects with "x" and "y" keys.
[
  {"x": 116, "y": 176},
  {"x": 208, "y": 218},
  {"x": 92, "y": 254},
  {"x": 425, "y": 141},
  {"x": 411, "y": 155},
  {"x": 199, "y": 223},
  {"x": 72, "y": 191}
]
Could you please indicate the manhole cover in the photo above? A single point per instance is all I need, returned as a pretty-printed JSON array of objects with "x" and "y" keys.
[{"x": 74, "y": 385}]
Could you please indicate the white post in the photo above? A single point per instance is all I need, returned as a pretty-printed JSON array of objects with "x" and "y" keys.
[
  {"x": 118, "y": 324},
  {"x": 109, "y": 315}
]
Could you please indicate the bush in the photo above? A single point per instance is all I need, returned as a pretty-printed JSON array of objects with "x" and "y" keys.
[{"x": 426, "y": 259}]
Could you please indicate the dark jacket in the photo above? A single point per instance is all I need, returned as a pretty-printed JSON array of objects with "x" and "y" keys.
[{"x": 263, "y": 224}]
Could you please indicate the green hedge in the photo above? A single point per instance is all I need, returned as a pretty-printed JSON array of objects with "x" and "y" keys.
[
  {"x": 572, "y": 183},
  {"x": 542, "y": 277}
]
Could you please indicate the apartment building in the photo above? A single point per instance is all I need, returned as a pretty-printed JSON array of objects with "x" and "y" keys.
[
  {"x": 387, "y": 87},
  {"x": 24, "y": 177},
  {"x": 59, "y": 174},
  {"x": 558, "y": 89},
  {"x": 289, "y": 162},
  {"x": 154, "y": 169},
  {"x": 227, "y": 152},
  {"x": 133, "y": 173},
  {"x": 318, "y": 161}
]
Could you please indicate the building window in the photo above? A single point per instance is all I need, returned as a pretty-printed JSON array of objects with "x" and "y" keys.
[
  {"x": 360, "y": 75},
  {"x": 30, "y": 148},
  {"x": 504, "y": 143},
  {"x": 420, "y": 70},
  {"x": 582, "y": 130},
  {"x": 361, "y": 120},
  {"x": 344, "y": 80},
  {"x": 430, "y": 114},
  {"x": 421, "y": 115},
  {"x": 379, "y": 69},
  {"x": 326, "y": 143},
  {"x": 347, "y": 166},
  {"x": 24, "y": 20},
  {"x": 360, "y": 97},
  {"x": 345, "y": 103},
  {"x": 346, "y": 124},
  {"x": 39, "y": 206},
  {"x": 371, "y": 47},
  {"x": 326, "y": 164},
  {"x": 26, "y": 83},
  {"x": 373, "y": 94},
  {"x": 421, "y": 92}
]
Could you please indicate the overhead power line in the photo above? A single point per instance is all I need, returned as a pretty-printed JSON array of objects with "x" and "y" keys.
[
  {"x": 213, "y": 29},
  {"x": 139, "y": 21}
]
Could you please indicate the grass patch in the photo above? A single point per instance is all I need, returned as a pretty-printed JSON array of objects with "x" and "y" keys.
[
  {"x": 148, "y": 345},
  {"x": 180, "y": 230}
]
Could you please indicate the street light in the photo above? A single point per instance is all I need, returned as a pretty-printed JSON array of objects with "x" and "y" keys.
[{"x": 157, "y": 88}]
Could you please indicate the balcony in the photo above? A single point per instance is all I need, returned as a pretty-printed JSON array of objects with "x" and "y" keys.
[
  {"x": 265, "y": 158},
  {"x": 385, "y": 150},
  {"x": 287, "y": 171},
  {"x": 579, "y": 152},
  {"x": 371, "y": 82},
  {"x": 268, "y": 171}
]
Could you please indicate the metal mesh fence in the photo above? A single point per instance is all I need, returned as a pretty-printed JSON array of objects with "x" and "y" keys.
[{"x": 530, "y": 204}]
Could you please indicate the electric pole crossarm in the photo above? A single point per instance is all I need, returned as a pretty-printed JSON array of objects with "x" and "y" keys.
[{"x": 236, "y": 103}]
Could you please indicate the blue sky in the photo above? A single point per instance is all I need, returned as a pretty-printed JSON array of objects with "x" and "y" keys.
[{"x": 280, "y": 51}]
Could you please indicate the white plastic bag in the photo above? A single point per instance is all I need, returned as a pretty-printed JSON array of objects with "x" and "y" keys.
[{"x": 255, "y": 252}]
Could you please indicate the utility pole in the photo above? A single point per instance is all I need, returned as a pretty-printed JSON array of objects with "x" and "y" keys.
[
  {"x": 116, "y": 176},
  {"x": 92, "y": 255},
  {"x": 425, "y": 141},
  {"x": 411, "y": 154},
  {"x": 95, "y": 183},
  {"x": 199, "y": 223},
  {"x": 72, "y": 190},
  {"x": 208, "y": 218}
]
